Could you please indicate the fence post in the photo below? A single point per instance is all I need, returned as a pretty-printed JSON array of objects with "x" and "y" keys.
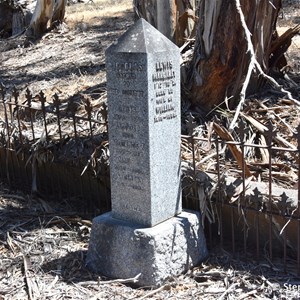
[
  {"x": 56, "y": 103},
  {"x": 298, "y": 236},
  {"x": 15, "y": 94},
  {"x": 242, "y": 202},
  {"x": 28, "y": 97},
  {"x": 42, "y": 98},
  {"x": 270, "y": 134},
  {"x": 219, "y": 201},
  {"x": 72, "y": 109},
  {"x": 88, "y": 108}
]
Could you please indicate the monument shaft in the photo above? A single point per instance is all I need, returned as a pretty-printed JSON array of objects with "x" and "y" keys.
[{"x": 143, "y": 86}]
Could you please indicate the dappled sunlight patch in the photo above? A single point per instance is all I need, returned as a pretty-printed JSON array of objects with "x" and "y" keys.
[{"x": 92, "y": 13}]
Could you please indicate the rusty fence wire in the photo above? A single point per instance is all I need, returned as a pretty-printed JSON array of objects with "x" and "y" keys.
[
  {"x": 248, "y": 206},
  {"x": 60, "y": 149},
  {"x": 55, "y": 148}
]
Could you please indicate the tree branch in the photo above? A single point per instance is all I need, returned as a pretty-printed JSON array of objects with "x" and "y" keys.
[{"x": 253, "y": 64}]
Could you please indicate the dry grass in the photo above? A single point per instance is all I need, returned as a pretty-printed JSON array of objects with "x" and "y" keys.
[
  {"x": 70, "y": 60},
  {"x": 93, "y": 12},
  {"x": 43, "y": 247}
]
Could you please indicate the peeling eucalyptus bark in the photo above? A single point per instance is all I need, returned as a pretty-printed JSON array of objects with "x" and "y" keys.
[
  {"x": 42, "y": 14},
  {"x": 210, "y": 10},
  {"x": 58, "y": 12},
  {"x": 220, "y": 59},
  {"x": 146, "y": 9},
  {"x": 174, "y": 18},
  {"x": 14, "y": 17},
  {"x": 46, "y": 11}
]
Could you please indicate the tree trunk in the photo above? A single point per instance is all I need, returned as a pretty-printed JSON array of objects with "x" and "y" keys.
[
  {"x": 220, "y": 61},
  {"x": 46, "y": 11},
  {"x": 166, "y": 17},
  {"x": 174, "y": 18},
  {"x": 59, "y": 12},
  {"x": 146, "y": 9},
  {"x": 221, "y": 58},
  {"x": 6, "y": 14},
  {"x": 14, "y": 17},
  {"x": 42, "y": 14}
]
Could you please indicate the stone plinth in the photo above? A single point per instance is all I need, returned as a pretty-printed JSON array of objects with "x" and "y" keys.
[{"x": 120, "y": 249}]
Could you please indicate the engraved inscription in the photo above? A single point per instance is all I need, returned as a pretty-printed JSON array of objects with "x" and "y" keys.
[
  {"x": 163, "y": 71},
  {"x": 164, "y": 81},
  {"x": 133, "y": 93},
  {"x": 127, "y": 70},
  {"x": 127, "y": 125}
]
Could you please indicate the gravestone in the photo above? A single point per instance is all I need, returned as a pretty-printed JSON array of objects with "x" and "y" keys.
[
  {"x": 146, "y": 232},
  {"x": 143, "y": 83}
]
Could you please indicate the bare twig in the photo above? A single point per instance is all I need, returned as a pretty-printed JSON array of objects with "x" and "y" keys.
[
  {"x": 164, "y": 287},
  {"x": 253, "y": 64},
  {"x": 246, "y": 295},
  {"x": 127, "y": 280},
  {"x": 29, "y": 279},
  {"x": 228, "y": 291},
  {"x": 287, "y": 223},
  {"x": 235, "y": 150}
]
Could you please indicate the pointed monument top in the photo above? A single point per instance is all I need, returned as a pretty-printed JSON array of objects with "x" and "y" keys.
[{"x": 142, "y": 37}]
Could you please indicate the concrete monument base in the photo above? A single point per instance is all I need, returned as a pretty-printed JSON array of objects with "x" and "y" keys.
[{"x": 120, "y": 249}]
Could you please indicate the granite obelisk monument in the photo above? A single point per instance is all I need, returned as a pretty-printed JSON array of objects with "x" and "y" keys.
[{"x": 146, "y": 232}]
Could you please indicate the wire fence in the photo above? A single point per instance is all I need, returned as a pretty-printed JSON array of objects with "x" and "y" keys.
[
  {"x": 54, "y": 147},
  {"x": 59, "y": 149},
  {"x": 249, "y": 206}
]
